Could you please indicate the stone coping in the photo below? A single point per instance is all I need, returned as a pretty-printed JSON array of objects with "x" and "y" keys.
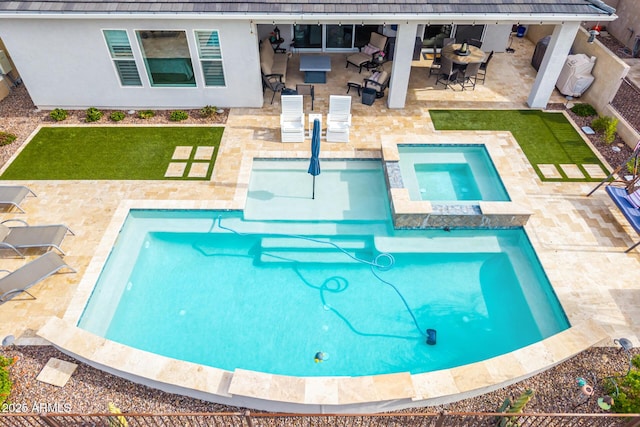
[{"x": 307, "y": 394}]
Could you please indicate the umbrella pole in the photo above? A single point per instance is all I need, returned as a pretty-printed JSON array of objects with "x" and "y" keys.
[{"x": 313, "y": 194}]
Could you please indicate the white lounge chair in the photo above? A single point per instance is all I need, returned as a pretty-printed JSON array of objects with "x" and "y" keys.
[
  {"x": 292, "y": 118},
  {"x": 32, "y": 236},
  {"x": 13, "y": 195},
  {"x": 339, "y": 118},
  {"x": 30, "y": 274}
]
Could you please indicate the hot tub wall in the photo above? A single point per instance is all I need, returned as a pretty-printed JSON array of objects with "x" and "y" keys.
[{"x": 409, "y": 213}]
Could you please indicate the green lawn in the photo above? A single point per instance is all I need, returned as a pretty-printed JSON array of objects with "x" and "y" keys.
[
  {"x": 119, "y": 153},
  {"x": 545, "y": 138}
]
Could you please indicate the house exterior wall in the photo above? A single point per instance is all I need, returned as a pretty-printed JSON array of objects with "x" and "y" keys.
[
  {"x": 496, "y": 38},
  {"x": 608, "y": 71},
  {"x": 66, "y": 63},
  {"x": 627, "y": 26}
]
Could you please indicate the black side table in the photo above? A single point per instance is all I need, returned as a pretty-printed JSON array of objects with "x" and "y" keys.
[{"x": 275, "y": 44}]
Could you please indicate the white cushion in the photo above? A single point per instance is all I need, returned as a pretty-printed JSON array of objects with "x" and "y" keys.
[
  {"x": 370, "y": 50},
  {"x": 634, "y": 198}
]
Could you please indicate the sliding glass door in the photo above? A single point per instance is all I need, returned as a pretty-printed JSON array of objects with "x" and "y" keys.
[{"x": 332, "y": 37}]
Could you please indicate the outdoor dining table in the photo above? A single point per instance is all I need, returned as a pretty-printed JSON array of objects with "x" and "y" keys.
[{"x": 475, "y": 54}]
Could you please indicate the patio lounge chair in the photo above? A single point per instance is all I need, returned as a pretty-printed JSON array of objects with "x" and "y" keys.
[
  {"x": 13, "y": 195},
  {"x": 377, "y": 43},
  {"x": 628, "y": 206},
  {"x": 339, "y": 118},
  {"x": 292, "y": 118},
  {"x": 30, "y": 274},
  {"x": 28, "y": 236}
]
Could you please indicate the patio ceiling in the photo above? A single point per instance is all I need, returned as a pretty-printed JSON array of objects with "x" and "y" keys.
[{"x": 482, "y": 10}]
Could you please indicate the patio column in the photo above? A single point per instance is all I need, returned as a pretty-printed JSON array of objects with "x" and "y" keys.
[
  {"x": 552, "y": 63},
  {"x": 402, "y": 57}
]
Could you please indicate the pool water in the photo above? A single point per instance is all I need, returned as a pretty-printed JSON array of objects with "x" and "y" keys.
[
  {"x": 450, "y": 173},
  {"x": 214, "y": 288}
]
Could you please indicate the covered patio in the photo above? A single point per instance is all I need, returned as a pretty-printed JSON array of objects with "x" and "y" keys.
[{"x": 509, "y": 80}]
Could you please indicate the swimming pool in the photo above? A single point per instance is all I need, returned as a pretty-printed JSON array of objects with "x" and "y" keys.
[
  {"x": 184, "y": 285},
  {"x": 459, "y": 172}
]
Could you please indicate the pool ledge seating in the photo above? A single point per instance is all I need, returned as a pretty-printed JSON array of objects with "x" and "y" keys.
[{"x": 630, "y": 212}]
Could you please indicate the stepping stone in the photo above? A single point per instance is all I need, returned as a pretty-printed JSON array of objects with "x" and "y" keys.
[
  {"x": 595, "y": 171},
  {"x": 56, "y": 372},
  {"x": 182, "y": 152},
  {"x": 175, "y": 170},
  {"x": 199, "y": 169},
  {"x": 204, "y": 153},
  {"x": 572, "y": 171},
  {"x": 549, "y": 171}
]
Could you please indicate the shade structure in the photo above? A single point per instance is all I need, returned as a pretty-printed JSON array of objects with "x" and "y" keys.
[{"x": 314, "y": 162}]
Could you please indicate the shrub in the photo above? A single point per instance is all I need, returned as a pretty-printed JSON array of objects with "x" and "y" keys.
[
  {"x": 58, "y": 114},
  {"x": 607, "y": 125},
  {"x": 5, "y": 381},
  {"x": 116, "y": 116},
  {"x": 628, "y": 399},
  {"x": 584, "y": 110},
  {"x": 146, "y": 114},
  {"x": 93, "y": 115},
  {"x": 7, "y": 138},
  {"x": 208, "y": 111},
  {"x": 178, "y": 116}
]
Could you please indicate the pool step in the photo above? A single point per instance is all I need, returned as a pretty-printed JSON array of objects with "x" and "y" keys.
[
  {"x": 305, "y": 257},
  {"x": 291, "y": 249},
  {"x": 449, "y": 244},
  {"x": 319, "y": 243}
]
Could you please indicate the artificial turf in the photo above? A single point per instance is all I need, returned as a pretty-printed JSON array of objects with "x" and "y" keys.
[
  {"x": 115, "y": 153},
  {"x": 545, "y": 137}
]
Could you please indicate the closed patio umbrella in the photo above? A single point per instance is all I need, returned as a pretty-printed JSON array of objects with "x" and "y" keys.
[{"x": 314, "y": 162}]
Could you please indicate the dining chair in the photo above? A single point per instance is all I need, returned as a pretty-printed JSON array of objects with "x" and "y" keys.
[
  {"x": 306, "y": 90},
  {"x": 475, "y": 42},
  {"x": 482, "y": 72},
  {"x": 468, "y": 78},
  {"x": 447, "y": 74}
]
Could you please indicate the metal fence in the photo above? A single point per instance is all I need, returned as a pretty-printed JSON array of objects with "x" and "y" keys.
[{"x": 248, "y": 419}]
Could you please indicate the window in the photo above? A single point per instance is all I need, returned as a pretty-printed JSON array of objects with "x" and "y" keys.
[
  {"x": 122, "y": 56},
  {"x": 167, "y": 58},
  {"x": 210, "y": 57},
  {"x": 307, "y": 36}
]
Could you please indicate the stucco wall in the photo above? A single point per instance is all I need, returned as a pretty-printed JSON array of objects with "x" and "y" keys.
[
  {"x": 5, "y": 84},
  {"x": 627, "y": 26},
  {"x": 4, "y": 88},
  {"x": 496, "y": 38},
  {"x": 66, "y": 63},
  {"x": 536, "y": 32},
  {"x": 608, "y": 71}
]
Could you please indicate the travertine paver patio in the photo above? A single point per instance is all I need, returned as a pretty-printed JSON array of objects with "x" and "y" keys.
[{"x": 580, "y": 241}]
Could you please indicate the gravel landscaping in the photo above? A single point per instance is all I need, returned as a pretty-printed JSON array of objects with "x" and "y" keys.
[{"x": 89, "y": 390}]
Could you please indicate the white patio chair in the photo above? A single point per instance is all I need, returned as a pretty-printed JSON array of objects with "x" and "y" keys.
[
  {"x": 339, "y": 118},
  {"x": 292, "y": 118}
]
